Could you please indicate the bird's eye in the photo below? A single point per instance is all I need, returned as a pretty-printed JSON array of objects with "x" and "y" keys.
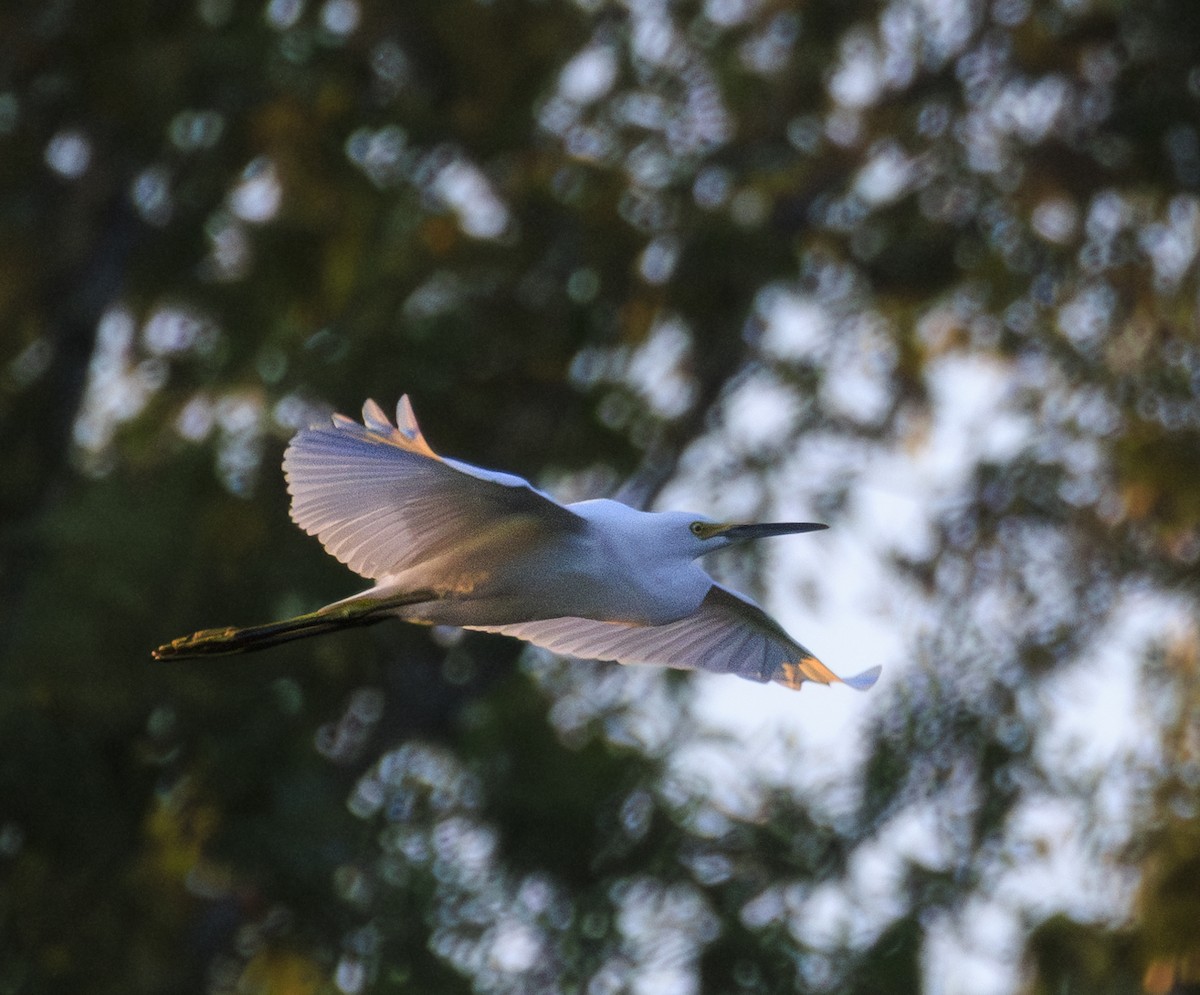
[{"x": 697, "y": 529}]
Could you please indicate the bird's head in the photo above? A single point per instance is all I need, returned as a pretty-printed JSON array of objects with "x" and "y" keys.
[{"x": 708, "y": 536}]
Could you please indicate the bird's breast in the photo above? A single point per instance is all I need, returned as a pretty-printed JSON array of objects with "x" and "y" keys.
[
  {"x": 587, "y": 575},
  {"x": 628, "y": 582}
]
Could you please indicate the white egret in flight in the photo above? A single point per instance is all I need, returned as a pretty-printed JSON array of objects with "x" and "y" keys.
[{"x": 447, "y": 543}]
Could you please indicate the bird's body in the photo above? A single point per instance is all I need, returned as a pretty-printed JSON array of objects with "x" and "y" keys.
[{"x": 448, "y": 543}]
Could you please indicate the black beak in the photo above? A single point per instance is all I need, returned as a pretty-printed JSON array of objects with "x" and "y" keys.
[{"x": 763, "y": 530}]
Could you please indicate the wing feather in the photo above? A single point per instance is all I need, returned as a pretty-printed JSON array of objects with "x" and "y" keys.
[
  {"x": 727, "y": 634},
  {"x": 382, "y": 501}
]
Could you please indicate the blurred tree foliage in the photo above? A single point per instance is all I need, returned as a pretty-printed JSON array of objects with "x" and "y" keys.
[{"x": 573, "y": 232}]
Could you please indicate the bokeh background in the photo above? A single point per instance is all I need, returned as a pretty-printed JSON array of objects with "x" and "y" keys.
[{"x": 923, "y": 269}]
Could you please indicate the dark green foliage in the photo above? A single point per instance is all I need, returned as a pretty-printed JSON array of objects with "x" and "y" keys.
[
  {"x": 221, "y": 219},
  {"x": 1071, "y": 958}
]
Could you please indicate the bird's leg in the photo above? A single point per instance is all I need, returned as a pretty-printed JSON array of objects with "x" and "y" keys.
[{"x": 340, "y": 615}]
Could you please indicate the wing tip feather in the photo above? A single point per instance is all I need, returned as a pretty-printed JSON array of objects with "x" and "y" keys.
[
  {"x": 809, "y": 668},
  {"x": 375, "y": 419},
  {"x": 864, "y": 681},
  {"x": 406, "y": 418},
  {"x": 375, "y": 428}
]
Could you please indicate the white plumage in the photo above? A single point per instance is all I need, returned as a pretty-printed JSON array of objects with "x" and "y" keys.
[{"x": 450, "y": 543}]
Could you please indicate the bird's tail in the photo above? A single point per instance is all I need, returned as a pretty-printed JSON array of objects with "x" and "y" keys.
[{"x": 346, "y": 614}]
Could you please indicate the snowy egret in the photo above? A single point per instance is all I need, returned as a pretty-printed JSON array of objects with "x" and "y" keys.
[{"x": 448, "y": 543}]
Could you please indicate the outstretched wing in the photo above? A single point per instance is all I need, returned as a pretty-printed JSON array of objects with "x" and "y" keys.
[
  {"x": 727, "y": 634},
  {"x": 381, "y": 500}
]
